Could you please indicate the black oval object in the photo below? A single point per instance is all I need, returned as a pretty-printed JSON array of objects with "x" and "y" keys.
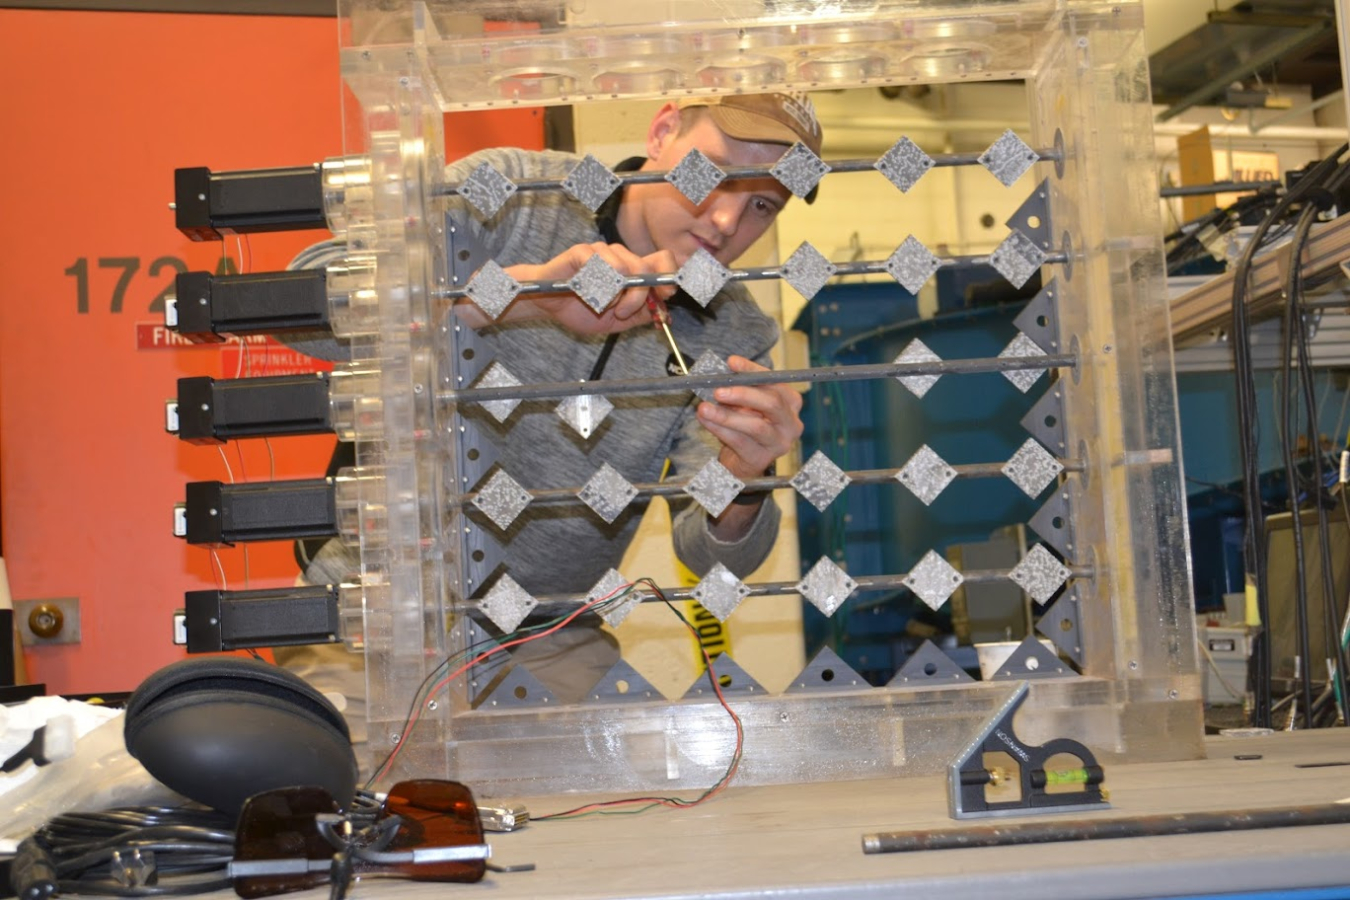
[{"x": 220, "y": 729}]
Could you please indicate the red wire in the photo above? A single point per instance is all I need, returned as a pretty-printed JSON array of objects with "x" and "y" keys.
[
  {"x": 669, "y": 802},
  {"x": 436, "y": 688}
]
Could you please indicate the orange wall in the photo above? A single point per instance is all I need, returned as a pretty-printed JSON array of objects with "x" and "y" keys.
[{"x": 96, "y": 111}]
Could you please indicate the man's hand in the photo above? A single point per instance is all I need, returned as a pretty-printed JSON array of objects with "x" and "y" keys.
[
  {"x": 756, "y": 425},
  {"x": 628, "y": 309}
]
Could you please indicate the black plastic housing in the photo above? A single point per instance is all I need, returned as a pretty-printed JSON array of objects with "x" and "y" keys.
[
  {"x": 211, "y": 411},
  {"x": 281, "y": 617},
  {"x": 211, "y": 306},
  {"x": 209, "y": 205},
  {"x": 219, "y": 514}
]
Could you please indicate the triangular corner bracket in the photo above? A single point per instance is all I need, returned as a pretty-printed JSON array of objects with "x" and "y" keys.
[
  {"x": 475, "y": 353},
  {"x": 1039, "y": 319},
  {"x": 1045, "y": 420},
  {"x": 732, "y": 678},
  {"x": 1054, "y": 521},
  {"x": 465, "y": 254},
  {"x": 483, "y": 554},
  {"x": 929, "y": 665},
  {"x": 481, "y": 675},
  {"x": 1032, "y": 660},
  {"x": 476, "y": 451},
  {"x": 1032, "y": 218},
  {"x": 826, "y": 672},
  {"x": 622, "y": 684},
  {"x": 517, "y": 688},
  {"x": 1062, "y": 624}
]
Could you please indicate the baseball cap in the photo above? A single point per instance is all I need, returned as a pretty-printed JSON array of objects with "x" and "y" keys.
[{"x": 764, "y": 118}]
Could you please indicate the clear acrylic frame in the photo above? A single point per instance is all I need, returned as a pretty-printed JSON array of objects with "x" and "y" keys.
[{"x": 1138, "y": 695}]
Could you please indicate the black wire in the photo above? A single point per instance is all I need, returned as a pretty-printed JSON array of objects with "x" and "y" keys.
[
  {"x": 191, "y": 849},
  {"x": 1249, "y": 436},
  {"x": 1295, "y": 299},
  {"x": 1186, "y": 244},
  {"x": 1291, "y": 322}
]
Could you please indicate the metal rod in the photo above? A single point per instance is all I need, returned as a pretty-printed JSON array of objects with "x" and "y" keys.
[
  {"x": 736, "y": 173},
  {"x": 1004, "y": 835},
  {"x": 556, "y": 496},
  {"x": 1218, "y": 187},
  {"x": 786, "y": 588},
  {"x": 826, "y": 374},
  {"x": 756, "y": 273}
]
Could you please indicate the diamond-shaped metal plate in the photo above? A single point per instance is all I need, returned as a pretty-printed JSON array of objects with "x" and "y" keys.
[
  {"x": 708, "y": 363},
  {"x": 714, "y": 487},
  {"x": 590, "y": 182},
  {"x": 614, "y": 612},
  {"x": 496, "y": 376},
  {"x": 702, "y": 276},
  {"x": 1017, "y": 258},
  {"x": 912, "y": 265},
  {"x": 916, "y": 351},
  {"x": 820, "y": 480},
  {"x": 904, "y": 164},
  {"x": 933, "y": 580},
  {"x": 502, "y": 499},
  {"x": 487, "y": 189},
  {"x": 720, "y": 592},
  {"x": 1024, "y": 347},
  {"x": 596, "y": 283},
  {"x": 492, "y": 289},
  {"x": 608, "y": 493},
  {"x": 696, "y": 177},
  {"x": 584, "y": 412},
  {"x": 807, "y": 270},
  {"x": 827, "y": 586},
  {"x": 1008, "y": 158},
  {"x": 926, "y": 474},
  {"x": 799, "y": 170},
  {"x": 1040, "y": 574},
  {"x": 1032, "y": 468},
  {"x": 507, "y": 604}
]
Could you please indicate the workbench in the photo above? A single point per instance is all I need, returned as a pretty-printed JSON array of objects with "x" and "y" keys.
[{"x": 804, "y": 840}]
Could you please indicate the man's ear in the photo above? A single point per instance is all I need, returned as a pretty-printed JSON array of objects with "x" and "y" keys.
[{"x": 664, "y": 128}]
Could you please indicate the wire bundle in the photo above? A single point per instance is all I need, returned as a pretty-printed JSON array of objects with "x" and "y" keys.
[
  {"x": 1303, "y": 201},
  {"x": 457, "y": 664},
  {"x": 131, "y": 852}
]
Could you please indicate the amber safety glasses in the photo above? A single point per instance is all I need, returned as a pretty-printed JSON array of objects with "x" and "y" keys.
[{"x": 296, "y": 838}]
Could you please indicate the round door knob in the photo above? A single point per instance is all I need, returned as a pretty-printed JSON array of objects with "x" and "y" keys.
[{"x": 45, "y": 620}]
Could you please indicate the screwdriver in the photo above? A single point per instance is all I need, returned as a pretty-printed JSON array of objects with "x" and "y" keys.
[{"x": 661, "y": 317}]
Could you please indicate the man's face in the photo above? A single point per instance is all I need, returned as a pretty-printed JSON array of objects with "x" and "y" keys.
[{"x": 729, "y": 219}]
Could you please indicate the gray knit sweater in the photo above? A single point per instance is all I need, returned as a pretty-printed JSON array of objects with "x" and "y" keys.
[{"x": 567, "y": 548}]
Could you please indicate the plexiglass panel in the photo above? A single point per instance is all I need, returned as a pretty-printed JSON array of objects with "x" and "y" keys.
[{"x": 436, "y": 533}]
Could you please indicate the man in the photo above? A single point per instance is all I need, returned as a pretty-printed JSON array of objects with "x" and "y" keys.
[{"x": 647, "y": 228}]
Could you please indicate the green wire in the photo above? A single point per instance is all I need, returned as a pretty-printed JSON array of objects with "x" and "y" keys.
[{"x": 422, "y": 695}]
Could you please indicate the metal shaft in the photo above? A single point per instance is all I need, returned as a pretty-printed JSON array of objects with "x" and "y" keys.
[{"x": 1106, "y": 828}]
